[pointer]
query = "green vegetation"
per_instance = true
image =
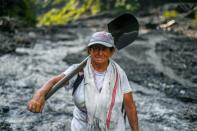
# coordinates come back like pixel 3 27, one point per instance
pixel 126 5
pixel 21 9
pixel 170 13
pixel 74 9
pixel 195 19
pixel 56 2
pixel 59 12
pixel 70 11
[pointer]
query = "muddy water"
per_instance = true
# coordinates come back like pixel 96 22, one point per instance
pixel 25 71
pixel 165 96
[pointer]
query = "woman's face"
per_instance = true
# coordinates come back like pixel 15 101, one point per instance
pixel 100 54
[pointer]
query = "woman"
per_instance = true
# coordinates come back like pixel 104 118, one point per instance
pixel 99 97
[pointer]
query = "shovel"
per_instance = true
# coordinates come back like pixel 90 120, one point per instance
pixel 124 30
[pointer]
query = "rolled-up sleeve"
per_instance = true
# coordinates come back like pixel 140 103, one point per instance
pixel 125 84
pixel 72 80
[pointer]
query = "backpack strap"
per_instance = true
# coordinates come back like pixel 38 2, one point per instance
pixel 123 112
pixel 79 79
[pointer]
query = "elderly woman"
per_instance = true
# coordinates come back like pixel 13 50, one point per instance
pixel 100 95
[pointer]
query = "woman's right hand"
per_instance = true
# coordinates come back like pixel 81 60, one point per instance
pixel 36 104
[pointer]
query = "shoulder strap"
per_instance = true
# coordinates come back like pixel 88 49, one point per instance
pixel 123 112
pixel 77 82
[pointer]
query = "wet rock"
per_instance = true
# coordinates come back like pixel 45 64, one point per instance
pixel 194 79
pixel 183 94
pixel 184 18
pixel 4 109
pixel 179 55
pixel 57 33
pixel 63 37
pixel 75 58
pixel 182 8
pixel 11 41
pixel 5 126
pixel 151 25
pixel 192 117
pixel 9 24
pixel 190 114
pixel 191 14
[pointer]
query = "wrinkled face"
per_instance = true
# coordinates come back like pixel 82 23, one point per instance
pixel 100 54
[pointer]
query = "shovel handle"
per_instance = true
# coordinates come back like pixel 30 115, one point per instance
pixel 66 79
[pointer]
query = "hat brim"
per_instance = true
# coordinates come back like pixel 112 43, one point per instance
pixel 100 43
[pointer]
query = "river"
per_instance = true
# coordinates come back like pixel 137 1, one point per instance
pixel 161 67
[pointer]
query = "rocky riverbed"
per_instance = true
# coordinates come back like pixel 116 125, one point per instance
pixel 161 67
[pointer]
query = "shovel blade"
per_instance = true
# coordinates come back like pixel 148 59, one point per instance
pixel 124 29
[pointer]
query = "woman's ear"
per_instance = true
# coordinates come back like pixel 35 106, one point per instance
pixel 113 50
pixel 88 50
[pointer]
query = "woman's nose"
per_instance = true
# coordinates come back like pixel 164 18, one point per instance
pixel 100 51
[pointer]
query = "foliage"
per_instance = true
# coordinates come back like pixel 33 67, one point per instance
pixel 74 9
pixel 195 19
pixel 21 9
pixel 71 11
pixel 170 13
pixel 129 5
pixel 56 2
